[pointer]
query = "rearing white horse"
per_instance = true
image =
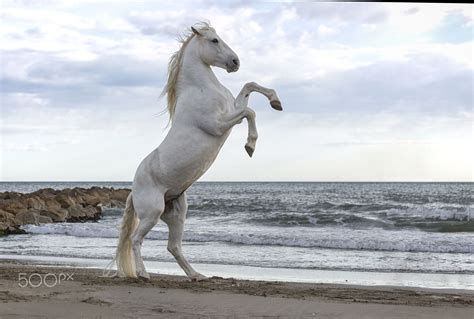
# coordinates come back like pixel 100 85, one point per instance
pixel 202 113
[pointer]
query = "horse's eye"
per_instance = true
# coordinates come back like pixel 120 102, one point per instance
pixel 215 41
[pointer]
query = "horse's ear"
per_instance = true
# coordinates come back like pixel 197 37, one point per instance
pixel 196 32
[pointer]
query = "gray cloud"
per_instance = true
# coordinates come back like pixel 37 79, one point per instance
pixel 228 5
pixel 342 12
pixel 109 70
pixel 74 84
pixel 429 84
pixel 412 10
pixel 422 84
pixel 160 23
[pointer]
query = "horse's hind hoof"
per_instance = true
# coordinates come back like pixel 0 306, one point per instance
pixel 144 279
pixel 143 276
pixel 199 277
pixel 276 105
pixel 249 150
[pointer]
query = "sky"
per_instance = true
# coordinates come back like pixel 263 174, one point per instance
pixel 370 91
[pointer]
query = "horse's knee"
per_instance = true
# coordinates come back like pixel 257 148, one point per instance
pixel 173 218
pixel 251 85
pixel 249 113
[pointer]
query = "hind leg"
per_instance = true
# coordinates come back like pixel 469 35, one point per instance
pixel 174 217
pixel 149 205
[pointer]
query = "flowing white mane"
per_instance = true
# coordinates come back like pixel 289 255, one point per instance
pixel 175 65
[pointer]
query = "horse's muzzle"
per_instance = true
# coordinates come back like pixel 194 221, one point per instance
pixel 232 69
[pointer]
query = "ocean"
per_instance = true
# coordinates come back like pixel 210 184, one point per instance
pixel 301 229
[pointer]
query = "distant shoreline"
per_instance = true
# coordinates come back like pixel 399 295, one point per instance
pixel 321 182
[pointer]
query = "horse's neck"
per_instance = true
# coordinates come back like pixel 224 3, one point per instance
pixel 194 71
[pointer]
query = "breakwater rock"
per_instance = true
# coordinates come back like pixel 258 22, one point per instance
pixel 51 206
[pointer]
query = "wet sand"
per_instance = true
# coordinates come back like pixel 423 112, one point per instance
pixel 82 293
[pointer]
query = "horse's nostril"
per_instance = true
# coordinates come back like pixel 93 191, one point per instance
pixel 236 62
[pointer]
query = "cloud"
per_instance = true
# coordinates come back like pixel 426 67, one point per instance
pixel 342 13
pixel 326 31
pixel 412 10
pixel 422 84
pixel 406 20
pixel 165 23
pixel 455 27
pixel 107 70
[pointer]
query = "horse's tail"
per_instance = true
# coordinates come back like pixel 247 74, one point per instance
pixel 124 256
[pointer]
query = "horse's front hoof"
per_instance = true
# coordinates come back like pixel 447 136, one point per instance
pixel 249 149
pixel 276 105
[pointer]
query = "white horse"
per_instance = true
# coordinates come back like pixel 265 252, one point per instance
pixel 202 112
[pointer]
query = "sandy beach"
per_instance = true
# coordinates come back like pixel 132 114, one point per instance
pixel 82 293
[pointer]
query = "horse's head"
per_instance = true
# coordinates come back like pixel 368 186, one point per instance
pixel 214 51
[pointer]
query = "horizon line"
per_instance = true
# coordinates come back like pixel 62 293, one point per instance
pixel 236 181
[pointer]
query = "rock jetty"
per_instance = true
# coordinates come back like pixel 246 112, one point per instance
pixel 53 206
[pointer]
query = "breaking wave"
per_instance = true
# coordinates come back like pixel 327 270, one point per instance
pixel 332 238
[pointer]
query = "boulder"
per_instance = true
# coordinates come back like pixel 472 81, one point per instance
pixel 65 200
pixel 7 229
pixel 6 217
pixel 27 217
pixel 48 205
pixel 33 217
pixel 59 215
pixel 35 202
pixel 13 205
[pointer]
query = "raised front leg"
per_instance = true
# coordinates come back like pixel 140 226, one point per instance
pixel 242 99
pixel 241 103
pixel 252 134
pixel 236 117
pixel 222 123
